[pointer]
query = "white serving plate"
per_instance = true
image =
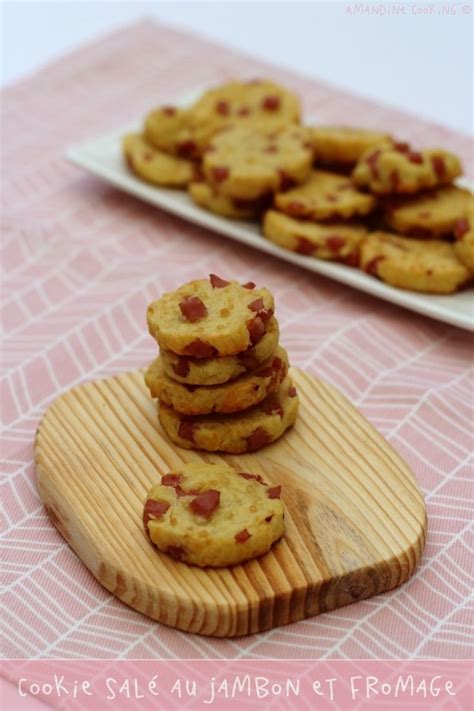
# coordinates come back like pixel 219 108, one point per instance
pixel 102 156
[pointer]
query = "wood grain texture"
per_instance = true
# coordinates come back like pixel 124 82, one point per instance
pixel 355 518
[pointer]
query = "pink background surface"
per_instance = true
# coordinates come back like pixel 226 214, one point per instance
pixel 84 260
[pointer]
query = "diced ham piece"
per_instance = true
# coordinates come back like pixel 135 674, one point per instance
pixel 271 103
pixel 220 173
pixel 273 407
pixel 274 492
pixel 217 282
pixel 286 181
pixel 169 110
pixel 415 157
pixel 249 285
pixel 372 161
pixel 246 475
pixel 372 266
pixel 185 492
pixel 352 260
pixel 256 305
pixel 154 509
pixel 395 180
pixel 200 349
pixel 176 552
pixel 206 503
pixel 181 368
pixel 171 479
pixel 222 108
pixel 265 314
pixel 439 166
pixel 193 309
pixel 187 149
pixel 296 208
pixel 259 438
pixel 461 227
pixel 292 392
pixel 186 430
pixel 334 243
pixel 304 246
pixel 242 536
pixel 256 329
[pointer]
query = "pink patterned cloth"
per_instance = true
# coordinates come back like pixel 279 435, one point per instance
pixel 82 262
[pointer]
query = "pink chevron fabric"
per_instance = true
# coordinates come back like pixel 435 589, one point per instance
pixel 82 261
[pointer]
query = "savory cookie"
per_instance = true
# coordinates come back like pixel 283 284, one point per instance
pixel 464 245
pixel 214 371
pixel 342 145
pixel 429 266
pixel 206 196
pixel 153 165
pixel 173 130
pixel 325 196
pixel 246 431
pixel 247 163
pixel 252 102
pixel 210 317
pixel 399 170
pixel 429 214
pixel 340 242
pixel 236 395
pixel 211 515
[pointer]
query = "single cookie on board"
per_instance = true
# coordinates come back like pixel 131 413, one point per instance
pixel 342 145
pixel 246 431
pixel 214 371
pixel 212 515
pixel 339 242
pixel 429 214
pixel 397 169
pixel 325 196
pixel 429 266
pixel 260 102
pixel 153 165
pixel 206 196
pixel 173 131
pixel 210 318
pixel 464 245
pixel 247 163
pixel 236 395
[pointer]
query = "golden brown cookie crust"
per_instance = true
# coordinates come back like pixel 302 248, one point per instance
pixel 202 319
pixel 429 214
pixel 254 102
pixel 325 196
pixel 153 165
pixel 246 431
pixel 397 169
pixel 246 163
pixel 428 266
pixel 172 130
pixel 344 145
pixel 464 245
pixel 214 371
pixel 236 395
pixel 334 242
pixel 212 515
pixel 205 196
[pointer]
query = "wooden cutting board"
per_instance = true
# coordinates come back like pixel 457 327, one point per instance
pixel 356 520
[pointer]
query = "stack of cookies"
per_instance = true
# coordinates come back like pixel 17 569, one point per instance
pixel 221 376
